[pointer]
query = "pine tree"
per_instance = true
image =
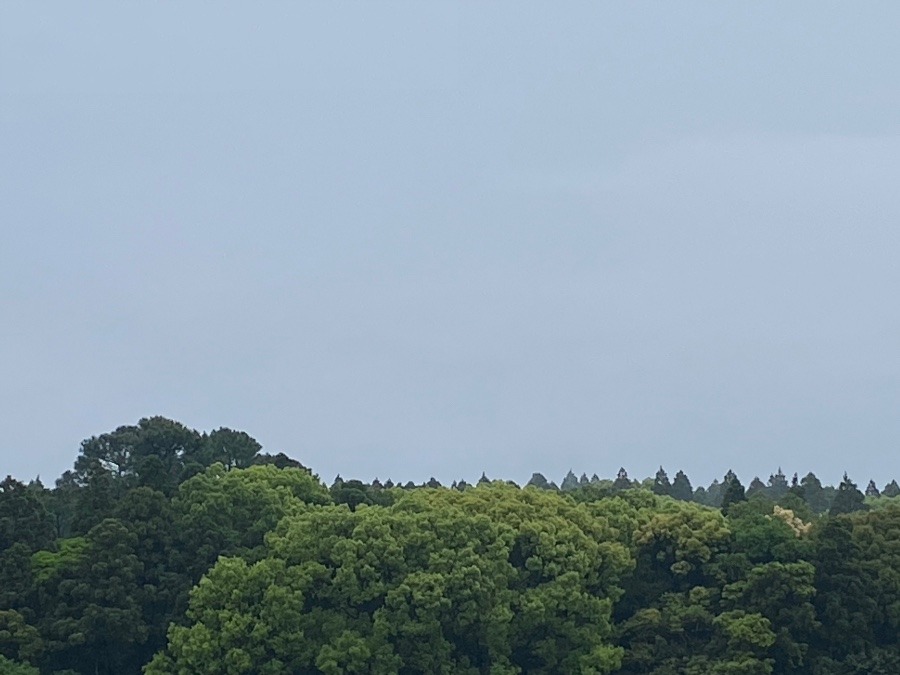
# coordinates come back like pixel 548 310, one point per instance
pixel 570 482
pixel 538 481
pixel 681 487
pixel 756 486
pixel 848 498
pixel 734 490
pixel 891 489
pixel 814 493
pixel 621 482
pixel 778 485
pixel 872 490
pixel 661 484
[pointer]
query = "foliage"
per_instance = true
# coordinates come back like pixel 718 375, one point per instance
pixel 184 552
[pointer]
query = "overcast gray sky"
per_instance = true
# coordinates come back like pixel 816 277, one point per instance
pixel 421 238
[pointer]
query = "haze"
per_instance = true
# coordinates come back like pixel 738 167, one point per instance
pixel 433 239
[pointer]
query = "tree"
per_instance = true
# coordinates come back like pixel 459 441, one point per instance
pixel 281 461
pixel 756 487
pixel 681 487
pixel 814 494
pixel 539 481
pixel 622 482
pixel 442 581
pixel 570 482
pixel 848 498
pixel 126 453
pixel 891 489
pixel 223 512
pixel 778 485
pixel 233 449
pixel 8 667
pixel 734 490
pixel 661 484
pixel 872 490
pixel 93 622
pixel 24 517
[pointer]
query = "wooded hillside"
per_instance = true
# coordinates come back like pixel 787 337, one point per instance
pixel 174 551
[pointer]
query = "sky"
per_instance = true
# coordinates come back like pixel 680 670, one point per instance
pixel 415 239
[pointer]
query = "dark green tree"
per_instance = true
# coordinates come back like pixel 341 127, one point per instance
pixel 734 490
pixel 872 490
pixel 24 518
pixel 570 482
pixel 814 493
pixel 622 481
pixel 891 489
pixel 661 484
pixel 681 487
pixel 233 449
pixel 93 622
pixel 756 487
pixel 539 481
pixel 777 486
pixel 848 498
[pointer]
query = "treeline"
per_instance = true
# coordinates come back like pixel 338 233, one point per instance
pixel 172 551
pixel 807 495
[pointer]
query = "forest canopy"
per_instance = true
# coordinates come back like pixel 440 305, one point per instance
pixel 168 550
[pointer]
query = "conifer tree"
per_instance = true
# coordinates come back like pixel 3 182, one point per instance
pixel 539 481
pixel 734 490
pixel 681 487
pixel 622 482
pixel 661 484
pixel 570 482
pixel 848 498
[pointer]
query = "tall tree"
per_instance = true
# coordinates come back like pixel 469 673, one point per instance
pixel 848 498
pixel 778 485
pixel 756 487
pixel 539 481
pixel 814 493
pixel 570 482
pixel 872 490
pixel 661 484
pixel 681 487
pixel 891 489
pixel 233 449
pixel 734 490
pixel 24 517
pixel 622 482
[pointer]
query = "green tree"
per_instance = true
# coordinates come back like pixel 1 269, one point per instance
pixel 681 487
pixel 848 498
pixel 622 481
pixel 570 482
pixel 777 486
pixel 734 490
pixel 232 449
pixel 539 481
pixel 223 512
pixel 492 579
pixel 814 493
pixel 24 518
pixel 93 623
pixel 8 667
pixel 661 484
pixel 872 490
